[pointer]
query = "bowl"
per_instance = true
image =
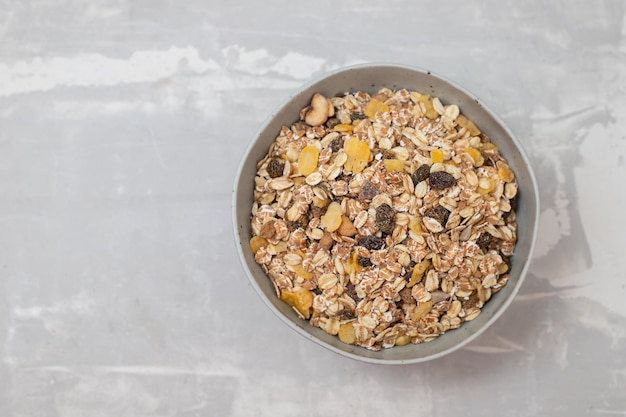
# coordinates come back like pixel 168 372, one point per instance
pixel 370 78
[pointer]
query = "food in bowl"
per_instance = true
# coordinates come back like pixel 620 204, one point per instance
pixel 385 219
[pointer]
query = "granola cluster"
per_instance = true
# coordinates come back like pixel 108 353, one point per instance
pixel 385 219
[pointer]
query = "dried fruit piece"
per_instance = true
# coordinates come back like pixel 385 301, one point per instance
pixel 301 272
pixel 418 272
pixel 436 155
pixel 371 242
pixel 346 333
pixel 301 300
pixel 357 116
pixel 403 340
pixel 429 109
pixel 393 165
pixel 307 161
pixel 327 241
pixel 415 225
pixel 385 218
pixel 346 228
pixel 438 213
pixel 368 191
pixel 421 310
pixel 343 128
pixel 257 242
pixel 275 168
pixel 331 220
pixel 468 124
pixel 477 157
pixel 364 262
pixel 336 144
pixel 441 180
pixel 359 155
pixel 504 172
pixel 301 223
pixel 484 241
pixel 420 174
pixel 375 106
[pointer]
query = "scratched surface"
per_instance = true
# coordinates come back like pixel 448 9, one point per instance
pixel 121 126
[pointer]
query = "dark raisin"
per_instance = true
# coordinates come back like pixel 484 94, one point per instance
pixel 346 315
pixel 441 180
pixel 385 218
pixel 357 116
pixel 438 213
pixel 317 211
pixel 275 168
pixel 336 144
pixel 364 262
pixel 420 174
pixel 369 191
pixel 371 242
pixel 332 122
pixel 302 223
pixel 471 302
pixel 351 291
pixel 484 241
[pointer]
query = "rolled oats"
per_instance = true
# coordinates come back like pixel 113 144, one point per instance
pixel 385 219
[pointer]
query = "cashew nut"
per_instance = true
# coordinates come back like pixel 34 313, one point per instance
pixel 318 114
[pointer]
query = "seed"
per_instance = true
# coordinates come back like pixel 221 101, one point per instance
pixel 420 174
pixel 385 218
pixel 371 242
pixel 275 168
pixel 441 180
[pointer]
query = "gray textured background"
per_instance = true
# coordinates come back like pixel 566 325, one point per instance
pixel 121 126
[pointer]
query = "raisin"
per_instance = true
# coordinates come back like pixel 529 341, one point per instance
pixel 332 122
pixel 484 241
pixel 364 262
pixel 471 302
pixel 357 116
pixel 371 242
pixel 438 213
pixel 275 168
pixel 346 315
pixel 351 291
pixel 302 222
pixel 441 180
pixel 369 191
pixel 385 218
pixel 420 174
pixel 336 144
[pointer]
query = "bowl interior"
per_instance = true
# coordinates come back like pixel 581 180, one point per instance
pixel 371 78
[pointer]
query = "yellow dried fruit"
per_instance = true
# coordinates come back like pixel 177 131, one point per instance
pixel 301 300
pixel 359 155
pixel 307 161
pixel 403 340
pixel 418 272
pixel 393 165
pixel 301 272
pixel 343 128
pixel 477 157
pixel 421 310
pixel 331 220
pixel 431 113
pixel 375 106
pixel 436 155
pixel 352 264
pixel 415 225
pixel 257 242
pixel 346 333
pixel 502 268
pixel 504 172
pixel 468 124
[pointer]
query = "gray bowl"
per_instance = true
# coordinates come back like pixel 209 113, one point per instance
pixel 370 78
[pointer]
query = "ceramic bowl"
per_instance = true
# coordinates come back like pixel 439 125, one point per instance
pixel 370 78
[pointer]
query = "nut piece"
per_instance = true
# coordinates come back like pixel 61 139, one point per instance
pixel 318 114
pixel 346 228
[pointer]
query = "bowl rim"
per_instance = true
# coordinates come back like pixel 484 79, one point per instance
pixel 380 361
